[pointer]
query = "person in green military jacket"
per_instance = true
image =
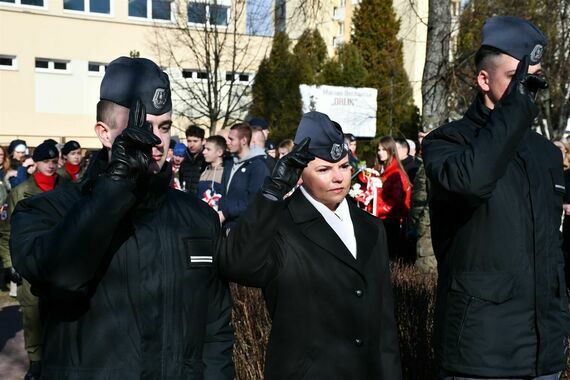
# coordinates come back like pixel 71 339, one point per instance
pixel 43 179
pixel 419 215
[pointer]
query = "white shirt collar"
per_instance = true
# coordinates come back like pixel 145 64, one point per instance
pixel 339 220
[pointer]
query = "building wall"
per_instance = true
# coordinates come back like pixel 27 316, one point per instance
pixel 413 15
pixel 44 103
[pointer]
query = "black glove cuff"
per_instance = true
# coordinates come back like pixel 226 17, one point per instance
pixel 274 189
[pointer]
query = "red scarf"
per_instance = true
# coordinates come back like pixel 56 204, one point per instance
pixel 73 170
pixel 44 182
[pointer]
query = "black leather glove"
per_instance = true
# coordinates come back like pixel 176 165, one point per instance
pixel 131 150
pixel 526 84
pixel 534 83
pixel 287 171
pixel 10 274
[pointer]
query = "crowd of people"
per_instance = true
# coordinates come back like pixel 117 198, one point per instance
pixel 122 257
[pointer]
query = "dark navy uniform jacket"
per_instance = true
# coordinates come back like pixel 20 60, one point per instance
pixel 496 205
pixel 125 280
pixel 332 315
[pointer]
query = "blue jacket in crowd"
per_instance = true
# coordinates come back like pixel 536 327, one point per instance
pixel 239 189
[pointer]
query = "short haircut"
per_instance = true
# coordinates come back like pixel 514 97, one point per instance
pixel 256 128
pixel 485 57
pixel 243 130
pixel 106 111
pixel 219 141
pixel 195 131
pixel 402 142
pixel 258 136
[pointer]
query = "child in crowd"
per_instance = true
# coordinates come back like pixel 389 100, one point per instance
pixel 210 184
pixel 178 156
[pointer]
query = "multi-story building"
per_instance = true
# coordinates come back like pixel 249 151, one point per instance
pixel 334 20
pixel 53 55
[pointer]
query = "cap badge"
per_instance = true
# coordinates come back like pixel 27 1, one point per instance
pixel 536 53
pixel 336 151
pixel 159 99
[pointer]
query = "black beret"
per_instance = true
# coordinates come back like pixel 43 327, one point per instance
pixel 327 139
pixel 69 146
pixel 129 78
pixel 256 121
pixel 14 144
pixel 350 137
pixel 269 145
pixel 514 36
pixel 45 151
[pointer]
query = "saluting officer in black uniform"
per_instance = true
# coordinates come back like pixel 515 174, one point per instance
pixel 121 262
pixel 496 200
pixel 322 263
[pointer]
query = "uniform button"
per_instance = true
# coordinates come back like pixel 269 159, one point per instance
pixel 358 342
pixel 358 293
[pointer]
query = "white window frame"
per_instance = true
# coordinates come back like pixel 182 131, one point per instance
pixel 51 66
pixel 14 65
pixel 99 73
pixel 149 18
pixel 18 3
pixel 207 4
pixel 87 5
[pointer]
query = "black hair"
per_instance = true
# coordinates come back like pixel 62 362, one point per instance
pixel 402 142
pixel 484 56
pixel 195 131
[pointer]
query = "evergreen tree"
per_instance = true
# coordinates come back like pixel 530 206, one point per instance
pixel 310 53
pixel 347 68
pixel 275 92
pixel 376 28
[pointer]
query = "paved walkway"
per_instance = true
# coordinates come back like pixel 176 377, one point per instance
pixel 13 359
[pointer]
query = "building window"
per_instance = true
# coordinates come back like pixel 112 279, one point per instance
pixel 8 62
pixel 212 14
pixel 91 6
pixel 238 77
pixel 195 74
pixel 35 3
pixel 151 9
pixel 51 65
pixel 96 68
pixel 259 17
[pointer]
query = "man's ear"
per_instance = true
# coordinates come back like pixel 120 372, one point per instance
pixel 103 131
pixel 483 80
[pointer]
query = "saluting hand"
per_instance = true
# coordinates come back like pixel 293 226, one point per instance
pixel 131 150
pixel 526 84
pixel 287 171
